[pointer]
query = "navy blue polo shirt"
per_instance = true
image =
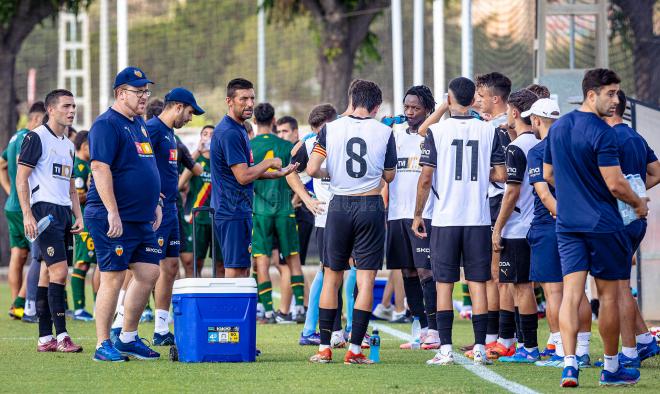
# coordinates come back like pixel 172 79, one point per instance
pixel 578 144
pixel 230 146
pixel 125 146
pixel 634 152
pixel 165 150
pixel 535 174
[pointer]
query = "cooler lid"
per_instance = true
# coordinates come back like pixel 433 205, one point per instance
pixel 215 286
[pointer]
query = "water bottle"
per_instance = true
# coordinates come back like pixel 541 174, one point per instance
pixel 41 226
pixel 374 349
pixel 416 332
pixel 627 212
pixel 392 120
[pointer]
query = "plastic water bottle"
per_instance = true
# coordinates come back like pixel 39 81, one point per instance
pixel 416 332
pixel 628 212
pixel 41 226
pixel 392 120
pixel 374 348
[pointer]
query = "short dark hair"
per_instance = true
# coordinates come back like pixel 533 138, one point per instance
pixel 37 107
pixel 498 83
pixel 53 97
pixel 264 114
pixel 366 94
pixel 154 108
pixel 71 131
pixel 321 114
pixel 463 90
pixel 621 107
pixel 288 119
pixel 238 84
pixel 81 138
pixel 351 86
pixel 208 126
pixel 540 90
pixel 522 100
pixel 597 78
pixel 424 94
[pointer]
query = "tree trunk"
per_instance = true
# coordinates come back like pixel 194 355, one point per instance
pixel 335 69
pixel 8 119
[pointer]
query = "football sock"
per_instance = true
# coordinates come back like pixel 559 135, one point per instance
pixel 415 296
pixel 479 326
pixel 467 301
pixel 119 318
pixel 298 287
pixel 43 312
pixel 445 321
pixel 312 317
pixel 493 326
pixel 519 334
pixel 57 306
pixel 611 363
pixel 583 339
pixel 630 352
pixel 61 336
pixel 120 300
pixel 19 302
pixel 559 347
pixel 644 338
pixel 78 285
pixel 529 325
pixel 360 325
pixel 266 294
pixel 160 322
pixel 355 349
pixel 430 302
pixel 66 299
pixel 128 336
pixel 507 326
pixel 570 361
pixel 336 325
pixel 326 320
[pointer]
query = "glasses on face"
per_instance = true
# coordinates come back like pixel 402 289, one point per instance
pixel 140 93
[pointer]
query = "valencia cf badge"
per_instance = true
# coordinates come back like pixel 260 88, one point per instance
pixel 250 248
pixel 50 251
pixel 119 250
pixel 160 241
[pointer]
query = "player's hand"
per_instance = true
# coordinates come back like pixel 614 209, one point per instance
pixel 288 169
pixel 78 226
pixel 115 228
pixel 642 210
pixel 30 225
pixel 275 163
pixel 497 241
pixel 419 228
pixel 315 206
pixel 159 218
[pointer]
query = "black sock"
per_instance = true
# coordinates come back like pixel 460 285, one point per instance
pixel 507 324
pixel 66 300
pixel 430 302
pixel 415 297
pixel 326 320
pixel 336 325
pixel 595 306
pixel 493 322
pixel 479 325
pixel 360 325
pixel 529 326
pixel 43 312
pixel 445 321
pixel 57 308
pixel 519 334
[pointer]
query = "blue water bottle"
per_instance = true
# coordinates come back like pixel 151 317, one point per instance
pixel 392 120
pixel 374 349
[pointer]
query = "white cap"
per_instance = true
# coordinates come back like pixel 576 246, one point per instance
pixel 544 107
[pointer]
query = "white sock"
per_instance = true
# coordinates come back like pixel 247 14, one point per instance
pixel 78 311
pixel 611 363
pixel 479 349
pixel 559 346
pixel 433 335
pixel 645 338
pixel 45 339
pixel 445 349
pixel 323 347
pixel 630 352
pixel 491 338
pixel 355 349
pixel 160 321
pixel 507 342
pixel 268 314
pixel 570 361
pixel 583 339
pixel 551 340
pixel 60 337
pixel 530 349
pixel 119 319
pixel 129 336
pixel 120 300
pixel 30 308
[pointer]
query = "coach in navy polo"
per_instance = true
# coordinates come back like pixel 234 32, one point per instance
pixel 233 171
pixel 123 212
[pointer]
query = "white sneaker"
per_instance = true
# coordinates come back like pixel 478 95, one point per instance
pixel 398 317
pixel 382 312
pixel 337 340
pixel 442 359
pixel 261 311
pixel 480 358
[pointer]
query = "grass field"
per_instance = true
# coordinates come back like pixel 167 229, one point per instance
pixel 282 367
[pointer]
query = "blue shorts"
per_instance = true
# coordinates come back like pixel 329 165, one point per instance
pixel 235 238
pixel 136 245
pixel 636 230
pixel 606 256
pixel 545 262
pixel 167 235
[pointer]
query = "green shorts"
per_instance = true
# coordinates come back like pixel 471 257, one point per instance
pixel 16 230
pixel 203 242
pixel 185 235
pixel 266 227
pixel 83 248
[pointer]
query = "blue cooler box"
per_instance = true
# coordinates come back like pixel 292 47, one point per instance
pixel 215 319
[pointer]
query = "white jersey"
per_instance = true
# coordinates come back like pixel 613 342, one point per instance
pixel 357 151
pixel 497 188
pixel 462 149
pixel 321 186
pixel 51 160
pixel 516 167
pixel 403 189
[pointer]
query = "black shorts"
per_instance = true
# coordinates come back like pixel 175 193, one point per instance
pixel 495 205
pixel 449 245
pixel 515 261
pixel 321 245
pixel 355 224
pixel 404 249
pixel 56 241
pixel 305 222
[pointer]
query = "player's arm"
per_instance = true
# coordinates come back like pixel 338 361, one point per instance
pixel 429 161
pixel 184 178
pixel 318 156
pixel 31 151
pixel 652 174
pixel 77 226
pixel 435 117
pixel 543 191
pixel 389 166
pixel 516 165
pixel 4 174
pixel 548 170
pixel 188 160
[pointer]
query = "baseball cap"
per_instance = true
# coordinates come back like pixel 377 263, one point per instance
pixel 131 76
pixel 184 96
pixel 544 107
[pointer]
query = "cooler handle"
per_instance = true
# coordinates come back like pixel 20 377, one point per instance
pixel 211 212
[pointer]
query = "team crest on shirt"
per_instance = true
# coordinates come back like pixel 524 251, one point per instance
pixel 50 251
pixel 81 167
pixel 161 241
pixel 119 250
pixel 250 248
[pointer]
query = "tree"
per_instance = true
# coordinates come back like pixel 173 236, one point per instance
pixel 17 19
pixel 636 17
pixel 344 37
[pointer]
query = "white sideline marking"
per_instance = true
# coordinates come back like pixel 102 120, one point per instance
pixel 479 370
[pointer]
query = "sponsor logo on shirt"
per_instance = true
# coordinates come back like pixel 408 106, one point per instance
pixel 175 242
pixel 153 250
pixel 423 250
pixel 408 164
pixel 173 156
pixel 534 171
pixel 144 149
pixel 61 171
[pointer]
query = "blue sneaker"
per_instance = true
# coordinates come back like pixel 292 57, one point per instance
pixel 310 340
pixel 114 334
pixel 522 356
pixel 30 318
pixel 137 349
pixel 569 377
pixel 147 315
pixel 622 377
pixel 648 350
pixel 163 339
pixel 554 361
pixel 548 353
pixel 107 352
pixel 628 362
pixel 82 315
pixel 584 361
